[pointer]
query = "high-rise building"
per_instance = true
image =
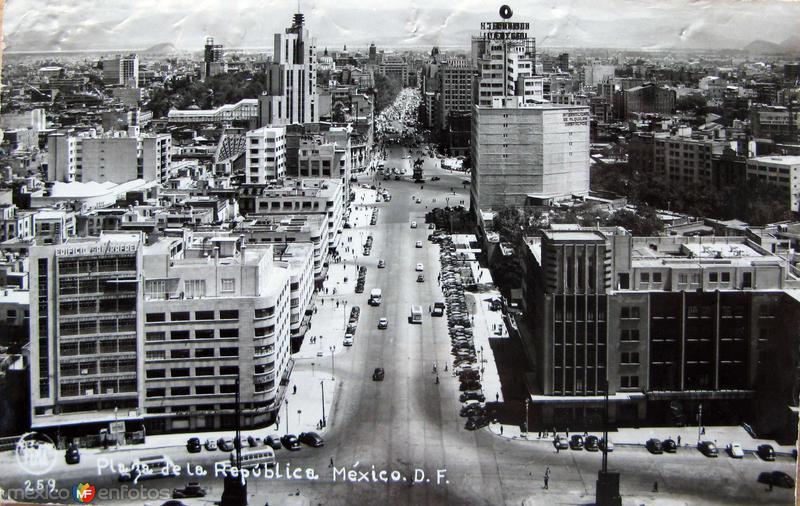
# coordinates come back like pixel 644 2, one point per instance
pixel 455 89
pixel 373 54
pixel 85 314
pixel 213 62
pixel 395 67
pixel 266 154
pixel 121 71
pixel 522 151
pixel 291 95
pixel 648 99
pixel 502 53
pixel 781 171
pixel 671 322
pixel 85 158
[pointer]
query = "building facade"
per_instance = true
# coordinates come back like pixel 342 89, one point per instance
pixel 266 154
pixel 781 171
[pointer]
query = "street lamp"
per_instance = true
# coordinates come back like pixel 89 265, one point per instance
pixel 286 403
pixel 322 386
pixel 344 325
pixel 333 363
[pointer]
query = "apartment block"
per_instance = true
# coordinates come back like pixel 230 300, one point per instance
pixel 524 151
pixel 121 70
pixel 213 324
pixel 266 154
pixel 781 171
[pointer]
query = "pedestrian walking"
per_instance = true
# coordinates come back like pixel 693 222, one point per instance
pixel 445 366
pixel 497 397
pixel 567 431
pixel 655 486
pixel 546 482
pixel 331 464
pixel 437 379
pixel 294 390
pixel 679 440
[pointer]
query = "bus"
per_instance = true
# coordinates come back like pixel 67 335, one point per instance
pixel 416 315
pixel 158 466
pixel 255 458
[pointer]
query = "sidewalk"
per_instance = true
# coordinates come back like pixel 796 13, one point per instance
pixel 722 436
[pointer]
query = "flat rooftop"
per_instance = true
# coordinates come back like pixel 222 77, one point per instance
pixel 781 160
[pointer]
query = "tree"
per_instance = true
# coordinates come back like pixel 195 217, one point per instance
pixel 643 223
pixel 386 90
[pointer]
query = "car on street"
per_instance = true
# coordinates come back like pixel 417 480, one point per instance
pixel 418 244
pixel 435 178
pixel 193 445
pixel 72 455
pixel 473 408
pixel 420 268
pixel 606 446
pixel 377 374
pixel 210 445
pixel 477 422
pixel 468 396
pixel 669 446
pixel 576 442
pixel 420 278
pixel 381 264
pixel 173 502
pixel 311 439
pixel 191 490
pixel 561 443
pixel 413 224
pixel 383 323
pixel 653 445
pixel 348 340
pixel 225 444
pixel 290 442
pixel 438 309
pixel 708 448
pixel 591 444
pixel 273 441
pixel 735 450
pixel 469 385
pixel 419 200
pixel 777 479
pixel 254 441
pixel 766 452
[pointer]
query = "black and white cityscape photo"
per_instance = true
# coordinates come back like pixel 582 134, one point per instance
pixel 324 253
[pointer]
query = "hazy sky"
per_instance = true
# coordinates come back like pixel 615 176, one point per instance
pixel 112 24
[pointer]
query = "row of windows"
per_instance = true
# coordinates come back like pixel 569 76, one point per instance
pixel 185 372
pixel 184 391
pixel 94 347
pixel 224 314
pixel 230 352
pixel 185 335
pixel 105 387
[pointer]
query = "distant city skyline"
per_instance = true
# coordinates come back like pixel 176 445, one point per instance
pixel 38 25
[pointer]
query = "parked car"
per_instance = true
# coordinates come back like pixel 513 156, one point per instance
pixel 273 441
pixel 193 445
pixel 254 441
pixel 777 479
pixel 469 385
pixel 708 448
pixel 477 422
pixel 473 408
pixel 561 443
pixel 72 455
pixel 735 450
pixel 669 445
pixel 190 490
pixel 591 444
pixel 653 445
pixel 225 444
pixel 377 374
pixel 348 340
pixel 607 446
pixel 210 445
pixel 468 396
pixel 311 439
pixel 290 442
pixel 766 452
pixel 576 442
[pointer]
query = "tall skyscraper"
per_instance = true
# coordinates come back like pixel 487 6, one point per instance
pixel 291 95
pixel 504 54
pixel 213 62
pixel 121 71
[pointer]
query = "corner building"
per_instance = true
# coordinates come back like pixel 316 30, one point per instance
pixel 210 322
